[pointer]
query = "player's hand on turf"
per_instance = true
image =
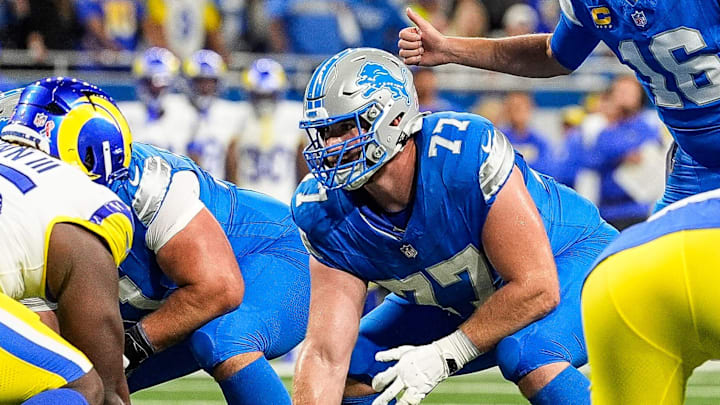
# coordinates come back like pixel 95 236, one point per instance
pixel 418 370
pixel 421 45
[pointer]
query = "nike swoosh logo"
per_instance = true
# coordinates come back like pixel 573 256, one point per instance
pixel 488 146
pixel 136 180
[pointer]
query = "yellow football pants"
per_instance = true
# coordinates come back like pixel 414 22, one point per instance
pixel 33 358
pixel 651 315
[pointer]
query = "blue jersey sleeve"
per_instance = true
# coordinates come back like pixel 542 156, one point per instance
pixel 572 42
pixel 149 177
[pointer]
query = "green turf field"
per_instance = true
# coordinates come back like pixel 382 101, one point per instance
pixel 482 388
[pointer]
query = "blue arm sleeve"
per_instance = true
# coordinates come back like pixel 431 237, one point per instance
pixel 571 43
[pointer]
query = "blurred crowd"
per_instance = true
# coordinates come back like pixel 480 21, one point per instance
pixel 609 147
pixel 184 26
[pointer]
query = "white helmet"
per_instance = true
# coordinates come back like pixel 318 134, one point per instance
pixel 374 88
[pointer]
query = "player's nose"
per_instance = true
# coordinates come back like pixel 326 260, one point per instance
pixel 333 140
pixel 340 135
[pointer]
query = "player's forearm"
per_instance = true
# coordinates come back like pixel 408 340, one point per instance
pixel 109 364
pixel 97 331
pixel 185 310
pixel 508 310
pixel 318 380
pixel 525 55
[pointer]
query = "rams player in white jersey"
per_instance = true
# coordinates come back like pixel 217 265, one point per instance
pixel 266 155
pixel 216 120
pixel 160 117
pixel 61 240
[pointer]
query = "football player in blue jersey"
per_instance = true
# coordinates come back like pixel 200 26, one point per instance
pixel 671 45
pixel 485 257
pixel 217 276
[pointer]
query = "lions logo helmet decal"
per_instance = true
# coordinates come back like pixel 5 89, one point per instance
pixel 377 77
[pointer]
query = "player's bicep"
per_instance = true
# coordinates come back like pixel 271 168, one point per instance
pixel 75 251
pixel 514 236
pixel 336 303
pixel 200 253
pixel 83 277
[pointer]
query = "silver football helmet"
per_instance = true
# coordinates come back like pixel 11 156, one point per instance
pixel 371 87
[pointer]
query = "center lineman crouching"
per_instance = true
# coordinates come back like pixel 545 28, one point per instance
pixel 217 277
pixel 485 257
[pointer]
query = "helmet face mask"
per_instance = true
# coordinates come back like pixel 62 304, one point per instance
pixel 75 122
pixel 351 161
pixel 375 90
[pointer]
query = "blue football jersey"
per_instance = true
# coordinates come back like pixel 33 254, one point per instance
pixel 437 257
pixel 673 48
pixel 252 220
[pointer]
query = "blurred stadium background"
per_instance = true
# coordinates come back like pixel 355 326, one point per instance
pixel 606 144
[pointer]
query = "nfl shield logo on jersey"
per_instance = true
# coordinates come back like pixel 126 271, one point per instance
pixel 639 18
pixel 408 251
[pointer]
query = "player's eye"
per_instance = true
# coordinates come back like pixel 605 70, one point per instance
pixel 323 132
pixel 347 126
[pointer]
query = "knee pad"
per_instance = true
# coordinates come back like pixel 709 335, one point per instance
pixel 518 357
pixel 508 352
pixel 211 349
pixel 203 346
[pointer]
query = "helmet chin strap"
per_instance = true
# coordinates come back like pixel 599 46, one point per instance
pixel 411 127
pixel 25 136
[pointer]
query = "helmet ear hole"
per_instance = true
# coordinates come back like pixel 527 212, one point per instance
pixel 54 108
pixel 89 160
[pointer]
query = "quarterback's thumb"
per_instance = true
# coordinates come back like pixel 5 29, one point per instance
pixel 421 23
pixel 392 354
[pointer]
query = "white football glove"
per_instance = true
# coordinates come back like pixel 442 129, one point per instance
pixel 418 371
pixel 421 368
